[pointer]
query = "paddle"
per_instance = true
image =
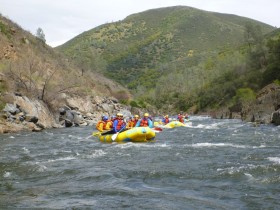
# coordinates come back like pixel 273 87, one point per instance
pixel 101 133
pixel 96 133
pixel 116 134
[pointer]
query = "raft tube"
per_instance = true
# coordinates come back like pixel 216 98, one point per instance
pixel 174 124
pixel 136 134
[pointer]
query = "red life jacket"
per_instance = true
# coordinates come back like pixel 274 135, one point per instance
pixel 180 118
pixel 144 122
pixel 166 120
pixel 120 124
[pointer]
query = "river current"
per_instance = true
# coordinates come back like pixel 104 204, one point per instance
pixel 211 164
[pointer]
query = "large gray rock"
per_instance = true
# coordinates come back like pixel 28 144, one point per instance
pixel 36 108
pixel 11 108
pixel 80 103
pixel 275 119
pixel 267 102
pixel 31 118
pixel 107 108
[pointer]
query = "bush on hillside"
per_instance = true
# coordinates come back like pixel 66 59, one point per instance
pixel 244 95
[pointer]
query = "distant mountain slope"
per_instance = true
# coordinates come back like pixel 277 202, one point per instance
pixel 174 47
pixel 30 67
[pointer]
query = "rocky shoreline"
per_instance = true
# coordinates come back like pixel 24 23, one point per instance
pixel 24 114
pixel 264 110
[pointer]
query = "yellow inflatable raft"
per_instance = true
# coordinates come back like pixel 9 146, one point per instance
pixel 136 134
pixel 174 124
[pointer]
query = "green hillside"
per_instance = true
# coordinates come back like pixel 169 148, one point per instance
pixel 164 55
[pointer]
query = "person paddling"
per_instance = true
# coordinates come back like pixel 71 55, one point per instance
pixel 180 118
pixel 165 120
pixel 145 122
pixel 119 124
pixel 101 124
pixel 109 124
pixel 132 122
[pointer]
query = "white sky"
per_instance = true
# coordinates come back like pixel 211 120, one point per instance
pixel 62 20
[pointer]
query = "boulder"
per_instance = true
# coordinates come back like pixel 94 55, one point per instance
pixel 107 108
pixel 37 109
pixel 261 110
pixel 275 119
pixel 68 123
pixel 11 108
pixel 31 118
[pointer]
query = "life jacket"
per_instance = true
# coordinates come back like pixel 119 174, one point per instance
pixel 109 125
pixel 134 121
pixel 144 122
pixel 130 124
pixel 181 119
pixel 101 125
pixel 120 124
pixel 166 120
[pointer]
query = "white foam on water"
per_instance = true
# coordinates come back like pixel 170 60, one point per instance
pixel 162 145
pixel 188 124
pixel 41 167
pixel 7 174
pixel 143 145
pixel 250 177
pixel 97 153
pixel 11 137
pixel 233 169
pixel 62 159
pixel 127 145
pixel 274 159
pixel 202 126
pixel 207 144
pixel 49 133
pixel 257 147
pixel 26 150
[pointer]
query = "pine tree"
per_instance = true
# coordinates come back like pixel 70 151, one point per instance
pixel 40 34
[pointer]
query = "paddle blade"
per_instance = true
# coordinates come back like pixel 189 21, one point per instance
pixel 114 136
pixel 96 133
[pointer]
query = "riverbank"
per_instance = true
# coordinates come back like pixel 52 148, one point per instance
pixel 21 113
pixel 264 110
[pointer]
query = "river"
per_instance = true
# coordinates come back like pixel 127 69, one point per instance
pixel 211 164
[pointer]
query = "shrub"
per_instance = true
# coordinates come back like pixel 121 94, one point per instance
pixel 6 31
pixel 244 95
pixel 277 82
pixel 133 104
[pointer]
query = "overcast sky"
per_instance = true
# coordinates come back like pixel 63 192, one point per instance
pixel 62 20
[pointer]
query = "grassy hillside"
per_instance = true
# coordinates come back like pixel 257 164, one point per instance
pixel 30 67
pixel 164 55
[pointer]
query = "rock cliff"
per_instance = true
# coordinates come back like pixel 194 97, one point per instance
pixel 264 110
pixel 22 113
